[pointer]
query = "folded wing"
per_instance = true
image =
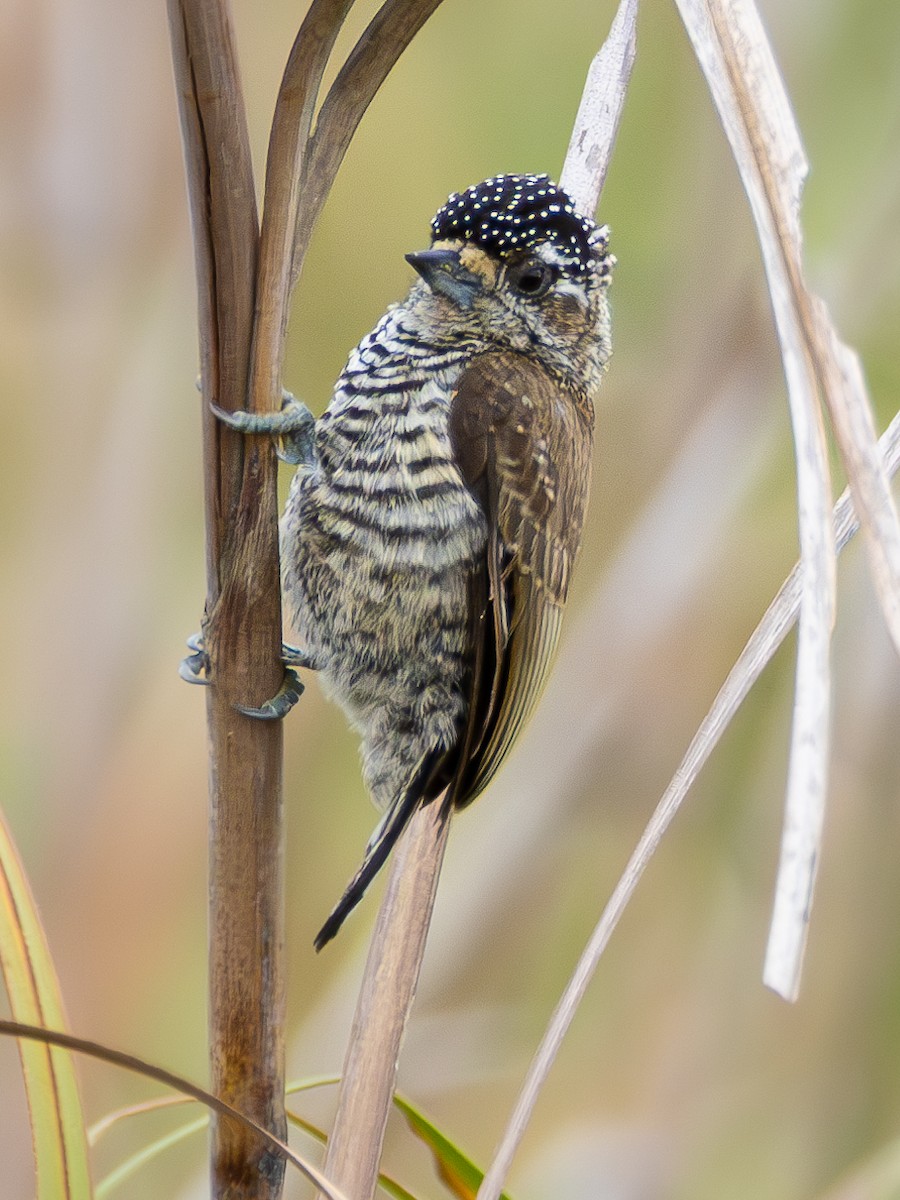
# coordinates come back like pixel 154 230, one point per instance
pixel 523 443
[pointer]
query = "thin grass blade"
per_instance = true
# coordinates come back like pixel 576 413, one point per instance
pixel 876 1179
pixel 57 1123
pixel 130 1062
pixel 849 406
pixel 135 1162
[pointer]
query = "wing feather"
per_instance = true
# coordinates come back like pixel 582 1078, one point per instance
pixel 523 443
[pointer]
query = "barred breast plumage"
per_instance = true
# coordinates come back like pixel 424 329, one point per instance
pixel 379 538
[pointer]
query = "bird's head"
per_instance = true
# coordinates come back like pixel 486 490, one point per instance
pixel 512 265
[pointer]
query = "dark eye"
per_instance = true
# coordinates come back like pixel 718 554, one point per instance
pixel 532 278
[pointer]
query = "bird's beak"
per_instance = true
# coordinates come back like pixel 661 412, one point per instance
pixel 444 273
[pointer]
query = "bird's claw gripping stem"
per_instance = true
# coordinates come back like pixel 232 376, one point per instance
pixel 293 656
pixel 281 703
pixel 194 669
pixel 294 427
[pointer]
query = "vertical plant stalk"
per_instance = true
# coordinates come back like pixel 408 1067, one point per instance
pixel 583 174
pixel 734 53
pixel 384 1004
pixel 243 619
pixel 244 284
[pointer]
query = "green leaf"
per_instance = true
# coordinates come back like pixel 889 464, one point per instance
pixel 454 1168
pixel 57 1123
pixel 310 1083
pixel 100 1128
pixel 141 1157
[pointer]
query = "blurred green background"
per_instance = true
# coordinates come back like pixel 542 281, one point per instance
pixel 682 1076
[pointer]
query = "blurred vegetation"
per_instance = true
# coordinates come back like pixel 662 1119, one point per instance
pixel 682 1076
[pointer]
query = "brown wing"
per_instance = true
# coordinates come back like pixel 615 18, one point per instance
pixel 523 443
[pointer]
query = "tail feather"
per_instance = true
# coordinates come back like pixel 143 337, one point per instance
pixel 379 847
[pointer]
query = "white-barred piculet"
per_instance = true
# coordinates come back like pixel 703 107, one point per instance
pixel 429 535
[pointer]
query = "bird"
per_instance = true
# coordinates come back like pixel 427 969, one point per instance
pixel 431 526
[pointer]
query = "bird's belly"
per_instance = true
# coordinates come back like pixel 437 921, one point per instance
pixel 378 588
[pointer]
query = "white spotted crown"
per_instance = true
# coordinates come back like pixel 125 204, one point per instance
pixel 509 214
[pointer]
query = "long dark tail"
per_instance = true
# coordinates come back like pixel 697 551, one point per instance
pixel 381 843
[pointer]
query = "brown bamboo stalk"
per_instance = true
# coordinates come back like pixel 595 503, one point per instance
pixel 243 620
pixel 242 344
pixel 384 1004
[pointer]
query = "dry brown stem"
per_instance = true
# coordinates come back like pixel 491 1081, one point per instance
pixel 245 278
pixel 243 619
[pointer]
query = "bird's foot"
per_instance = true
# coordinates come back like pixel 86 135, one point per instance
pixel 294 427
pixel 281 703
pixel 293 656
pixel 195 668
pixel 291 689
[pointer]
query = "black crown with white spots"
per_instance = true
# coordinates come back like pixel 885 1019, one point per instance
pixel 509 214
